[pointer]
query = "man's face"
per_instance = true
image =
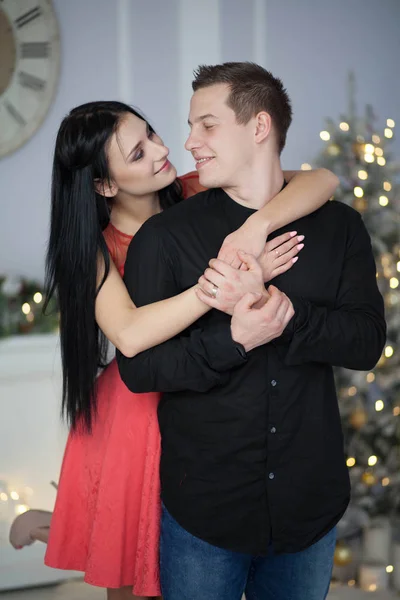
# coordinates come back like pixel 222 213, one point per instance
pixel 222 148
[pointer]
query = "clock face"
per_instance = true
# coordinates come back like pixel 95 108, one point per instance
pixel 29 66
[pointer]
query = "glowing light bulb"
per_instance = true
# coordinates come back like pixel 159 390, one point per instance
pixel 26 308
pixel 381 161
pixel 351 462
pixel 369 148
pixel 385 481
pixel 383 200
pixel 379 151
pixel 21 508
pixel 37 298
pixel 344 126
pixel 389 351
pixel 388 133
pixel 369 158
pixel 358 192
pixel 352 390
pixel 306 167
pixel 371 377
pixel 14 495
pixel 362 174
pixel 325 135
pixel 376 139
pixel 379 405
pixel 372 461
pixel 394 283
pixel 387 186
pixel 390 123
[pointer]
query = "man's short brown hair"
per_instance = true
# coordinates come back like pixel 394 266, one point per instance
pixel 252 89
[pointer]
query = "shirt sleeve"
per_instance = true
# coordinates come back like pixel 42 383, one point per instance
pixel 352 333
pixel 197 360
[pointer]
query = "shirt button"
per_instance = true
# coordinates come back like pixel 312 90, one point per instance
pixel 271 476
pixel 273 383
pixel 273 429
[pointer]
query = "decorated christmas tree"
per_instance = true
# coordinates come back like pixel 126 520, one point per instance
pixel 370 402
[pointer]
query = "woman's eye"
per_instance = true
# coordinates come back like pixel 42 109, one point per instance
pixel 138 155
pixel 208 126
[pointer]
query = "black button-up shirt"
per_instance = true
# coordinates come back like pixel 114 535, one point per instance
pixel 252 449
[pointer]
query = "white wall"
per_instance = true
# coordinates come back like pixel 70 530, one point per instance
pixel 310 44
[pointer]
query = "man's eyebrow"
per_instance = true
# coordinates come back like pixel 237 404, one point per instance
pixel 202 117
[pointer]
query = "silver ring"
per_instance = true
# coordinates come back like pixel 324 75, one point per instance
pixel 214 291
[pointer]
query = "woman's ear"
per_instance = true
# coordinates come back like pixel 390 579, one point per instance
pixel 263 126
pixel 105 188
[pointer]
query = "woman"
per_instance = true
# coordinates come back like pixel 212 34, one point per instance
pixel 110 174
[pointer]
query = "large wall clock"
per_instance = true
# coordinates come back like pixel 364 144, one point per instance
pixel 29 67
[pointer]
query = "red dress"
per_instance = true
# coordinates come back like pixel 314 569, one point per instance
pixel 106 519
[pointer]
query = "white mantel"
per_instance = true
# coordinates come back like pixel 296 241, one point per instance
pixel 32 439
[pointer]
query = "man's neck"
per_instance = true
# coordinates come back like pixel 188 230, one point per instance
pixel 258 185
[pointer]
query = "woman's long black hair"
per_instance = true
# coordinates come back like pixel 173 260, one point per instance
pixel 78 217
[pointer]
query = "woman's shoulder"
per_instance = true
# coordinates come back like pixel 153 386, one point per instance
pixel 190 184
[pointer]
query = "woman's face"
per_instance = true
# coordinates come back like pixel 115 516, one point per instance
pixel 138 159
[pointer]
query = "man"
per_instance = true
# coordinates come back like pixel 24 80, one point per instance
pixel 252 469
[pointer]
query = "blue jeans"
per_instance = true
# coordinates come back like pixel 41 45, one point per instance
pixel 192 569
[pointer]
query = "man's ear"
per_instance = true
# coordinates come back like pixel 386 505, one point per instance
pixel 105 188
pixel 263 126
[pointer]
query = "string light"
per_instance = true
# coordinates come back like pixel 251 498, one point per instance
pixel 381 161
pixel 389 351
pixel 369 148
pixel 376 139
pixel 398 266
pixel 344 126
pixel 387 186
pixel 396 411
pixel 37 298
pixel 3 497
pixel 379 151
pixel 379 405
pixel 352 390
pixel 21 508
pixel 369 158
pixel 351 582
pixel 14 495
pixel 385 481
pixel 351 462
pixel 372 587
pixel 306 167
pixel 383 200
pixel 325 135
pixel 390 123
pixel 372 461
pixel 394 283
pixel 362 174
pixel 388 133
pixel 389 569
pixel 26 308
pixel 371 377
pixel 358 192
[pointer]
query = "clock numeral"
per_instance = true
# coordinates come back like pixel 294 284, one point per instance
pixel 29 16
pixel 30 81
pixel 15 114
pixel 35 50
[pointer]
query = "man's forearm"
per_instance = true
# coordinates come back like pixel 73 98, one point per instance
pixel 348 338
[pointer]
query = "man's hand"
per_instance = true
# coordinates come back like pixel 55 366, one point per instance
pixel 222 286
pixel 253 327
pixel 280 254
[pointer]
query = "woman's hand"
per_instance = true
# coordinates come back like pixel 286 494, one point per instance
pixel 222 286
pixel 280 254
pixel 250 238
